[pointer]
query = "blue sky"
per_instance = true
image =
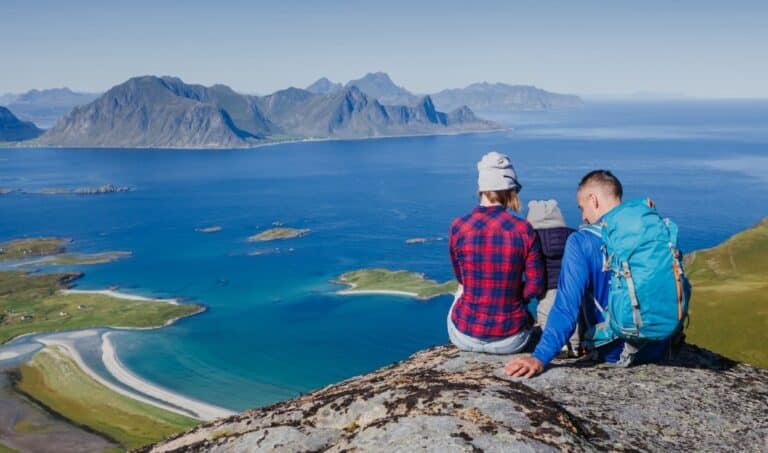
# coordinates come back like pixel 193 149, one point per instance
pixel 701 48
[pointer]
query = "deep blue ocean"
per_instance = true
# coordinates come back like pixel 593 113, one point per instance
pixel 275 328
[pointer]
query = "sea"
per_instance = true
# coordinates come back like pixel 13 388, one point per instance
pixel 275 327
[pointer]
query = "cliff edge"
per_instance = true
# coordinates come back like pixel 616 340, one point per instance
pixel 442 399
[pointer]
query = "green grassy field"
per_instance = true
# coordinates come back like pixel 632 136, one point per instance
pixel 54 380
pixel 729 306
pixel 386 280
pixel 6 449
pixel 31 303
pixel 29 248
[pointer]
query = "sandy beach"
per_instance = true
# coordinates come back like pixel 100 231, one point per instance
pixel 354 292
pixel 118 295
pixel 203 411
pixel 168 400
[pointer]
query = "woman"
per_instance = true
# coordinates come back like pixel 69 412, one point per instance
pixel 497 260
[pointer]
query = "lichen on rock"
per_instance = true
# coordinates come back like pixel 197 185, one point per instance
pixel 445 400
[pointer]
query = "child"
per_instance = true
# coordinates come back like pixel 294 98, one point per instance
pixel 546 218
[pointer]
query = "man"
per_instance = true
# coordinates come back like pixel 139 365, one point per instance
pixel 582 279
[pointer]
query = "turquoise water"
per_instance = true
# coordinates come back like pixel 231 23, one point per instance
pixel 275 328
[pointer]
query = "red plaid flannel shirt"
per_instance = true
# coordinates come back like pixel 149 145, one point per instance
pixel 491 250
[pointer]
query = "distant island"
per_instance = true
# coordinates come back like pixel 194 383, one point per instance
pixel 165 112
pixel 422 240
pixel 279 233
pixel 45 107
pixel 398 283
pixel 96 190
pixel 500 97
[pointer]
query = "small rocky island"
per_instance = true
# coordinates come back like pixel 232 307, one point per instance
pixel 279 233
pixel 422 240
pixel 98 190
pixel 400 283
pixel 209 229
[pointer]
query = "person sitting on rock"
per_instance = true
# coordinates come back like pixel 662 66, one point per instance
pixel 549 223
pixel 581 276
pixel 497 260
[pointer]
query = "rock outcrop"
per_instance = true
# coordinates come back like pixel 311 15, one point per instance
pixel 445 400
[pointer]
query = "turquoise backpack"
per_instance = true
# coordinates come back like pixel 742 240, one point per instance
pixel 649 292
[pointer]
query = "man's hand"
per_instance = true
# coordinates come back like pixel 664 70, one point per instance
pixel 527 367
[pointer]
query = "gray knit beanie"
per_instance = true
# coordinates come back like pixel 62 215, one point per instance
pixel 545 214
pixel 495 172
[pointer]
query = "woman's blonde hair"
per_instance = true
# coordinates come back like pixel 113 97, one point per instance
pixel 507 198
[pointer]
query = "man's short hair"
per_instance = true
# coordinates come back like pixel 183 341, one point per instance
pixel 603 178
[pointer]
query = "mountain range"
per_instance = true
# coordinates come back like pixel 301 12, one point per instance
pixel 45 107
pixel 152 111
pixel 13 129
pixel 480 97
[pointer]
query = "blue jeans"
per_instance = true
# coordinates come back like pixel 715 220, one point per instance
pixel 509 345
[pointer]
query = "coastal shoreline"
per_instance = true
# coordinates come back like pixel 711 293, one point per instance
pixel 201 410
pixel 135 388
pixel 387 292
pixel 26 145
pixel 118 295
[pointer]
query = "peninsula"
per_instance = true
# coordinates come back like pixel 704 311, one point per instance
pixel 51 251
pixel 30 248
pixel 57 378
pixel 397 283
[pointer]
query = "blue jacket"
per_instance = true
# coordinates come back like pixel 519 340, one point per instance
pixel 582 279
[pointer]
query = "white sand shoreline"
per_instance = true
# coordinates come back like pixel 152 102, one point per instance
pixel 112 363
pixel 389 292
pixel 118 295
pixel 170 402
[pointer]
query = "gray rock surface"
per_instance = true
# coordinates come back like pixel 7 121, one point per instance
pixel 445 400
